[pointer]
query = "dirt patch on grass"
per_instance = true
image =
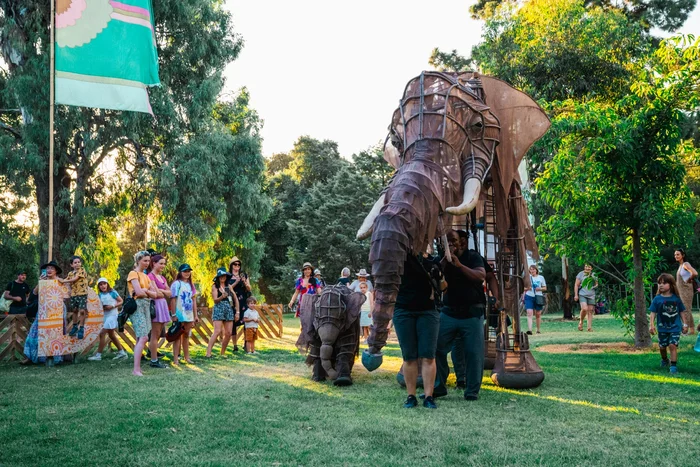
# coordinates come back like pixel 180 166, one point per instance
pixel 612 347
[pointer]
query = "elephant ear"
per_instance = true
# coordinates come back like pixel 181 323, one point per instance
pixel 307 310
pixel 353 304
pixel 391 155
pixel 522 123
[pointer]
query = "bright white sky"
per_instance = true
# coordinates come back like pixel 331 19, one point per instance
pixel 336 70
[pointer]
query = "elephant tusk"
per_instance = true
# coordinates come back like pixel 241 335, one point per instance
pixel 448 253
pixel 366 228
pixel 472 189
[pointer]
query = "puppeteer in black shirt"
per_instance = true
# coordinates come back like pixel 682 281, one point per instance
pixel 462 293
pixel 416 290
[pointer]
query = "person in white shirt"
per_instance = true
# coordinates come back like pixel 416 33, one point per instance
pixel 534 298
pixel 361 278
pixel 251 318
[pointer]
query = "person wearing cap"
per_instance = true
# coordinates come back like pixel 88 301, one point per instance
pixel 183 300
pixel 226 308
pixel 111 301
pixel 361 277
pixel 240 284
pixel 319 278
pixel 17 291
pixel 306 284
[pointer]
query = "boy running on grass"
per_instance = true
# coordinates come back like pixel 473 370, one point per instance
pixel 666 309
pixel 251 318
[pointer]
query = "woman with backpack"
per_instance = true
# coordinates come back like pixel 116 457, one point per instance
pixel 142 290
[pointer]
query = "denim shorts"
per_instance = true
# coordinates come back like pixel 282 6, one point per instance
pixel 530 303
pixel 586 300
pixel 417 332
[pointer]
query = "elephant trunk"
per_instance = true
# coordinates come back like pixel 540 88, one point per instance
pixel 327 362
pixel 388 251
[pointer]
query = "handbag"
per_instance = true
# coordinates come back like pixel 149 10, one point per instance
pixel 153 310
pixel 128 308
pixel 539 300
pixel 174 331
pixel 5 304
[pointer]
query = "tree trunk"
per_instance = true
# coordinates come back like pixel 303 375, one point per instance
pixel 565 295
pixel 641 323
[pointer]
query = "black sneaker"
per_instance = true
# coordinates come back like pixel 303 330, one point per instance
pixel 437 392
pixel 73 331
pixel 469 397
pixel 235 348
pixel 157 364
pixel 429 403
pixel 529 333
pixel 411 402
pixel 461 385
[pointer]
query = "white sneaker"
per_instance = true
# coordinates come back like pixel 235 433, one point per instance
pixel 121 355
pixel 95 358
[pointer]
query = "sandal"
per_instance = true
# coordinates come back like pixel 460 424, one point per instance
pixel 189 361
pixel 580 327
pixel 590 330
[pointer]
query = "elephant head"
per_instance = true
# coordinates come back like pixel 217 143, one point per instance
pixel 336 309
pixel 443 142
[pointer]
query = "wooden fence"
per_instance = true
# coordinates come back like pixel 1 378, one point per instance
pixel 14 330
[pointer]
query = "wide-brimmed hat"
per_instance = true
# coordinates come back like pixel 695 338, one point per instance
pixel 362 273
pixel 317 272
pixel 234 260
pixel 184 267
pixel 222 272
pixel 54 264
pixel 102 279
pixel 307 265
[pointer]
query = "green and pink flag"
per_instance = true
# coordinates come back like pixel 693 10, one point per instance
pixel 105 54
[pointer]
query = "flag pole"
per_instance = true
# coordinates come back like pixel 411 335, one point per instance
pixel 51 125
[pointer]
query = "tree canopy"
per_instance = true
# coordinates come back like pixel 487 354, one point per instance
pixel 616 182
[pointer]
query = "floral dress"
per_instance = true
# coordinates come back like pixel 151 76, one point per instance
pixel 312 288
pixel 223 311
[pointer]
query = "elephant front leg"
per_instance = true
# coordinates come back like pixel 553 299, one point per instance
pixel 347 345
pixel 313 359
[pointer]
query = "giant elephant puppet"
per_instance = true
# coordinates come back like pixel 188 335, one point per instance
pixel 330 332
pixel 451 136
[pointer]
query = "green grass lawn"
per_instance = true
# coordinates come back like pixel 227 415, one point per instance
pixel 592 409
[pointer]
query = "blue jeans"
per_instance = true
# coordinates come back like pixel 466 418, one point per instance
pixel 470 332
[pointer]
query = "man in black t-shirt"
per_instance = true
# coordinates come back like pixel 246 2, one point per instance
pixel 18 291
pixel 462 316
pixel 457 353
